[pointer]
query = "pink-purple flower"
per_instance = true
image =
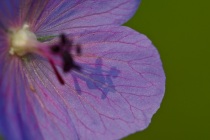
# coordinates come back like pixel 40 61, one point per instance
pixel 69 70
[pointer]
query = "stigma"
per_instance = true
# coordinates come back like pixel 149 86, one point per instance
pixel 22 41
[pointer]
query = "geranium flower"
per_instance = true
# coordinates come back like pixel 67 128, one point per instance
pixel 68 70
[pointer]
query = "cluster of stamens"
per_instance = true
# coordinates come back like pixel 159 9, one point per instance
pixel 63 49
pixel 23 41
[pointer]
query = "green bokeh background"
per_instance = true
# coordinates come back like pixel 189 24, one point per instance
pixel 180 29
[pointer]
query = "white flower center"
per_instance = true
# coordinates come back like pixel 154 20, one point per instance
pixel 22 41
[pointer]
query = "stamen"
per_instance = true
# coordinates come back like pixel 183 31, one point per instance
pixel 60 79
pixel 67 61
pixel 55 49
pixel 64 49
pixel 63 39
pixel 23 41
pixel 78 49
pixel 77 67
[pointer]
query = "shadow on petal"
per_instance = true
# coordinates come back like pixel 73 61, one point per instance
pixel 96 78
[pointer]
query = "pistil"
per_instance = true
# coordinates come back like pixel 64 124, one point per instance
pixel 22 41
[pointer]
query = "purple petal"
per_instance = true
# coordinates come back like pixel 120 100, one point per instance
pixel 119 89
pixel 9 13
pixel 60 15
pixel 17 120
pixel 122 72
pixel 51 17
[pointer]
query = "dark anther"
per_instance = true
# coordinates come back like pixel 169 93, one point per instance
pixel 77 67
pixel 64 49
pixel 65 43
pixel 63 39
pixel 78 50
pixel 68 62
pixel 55 49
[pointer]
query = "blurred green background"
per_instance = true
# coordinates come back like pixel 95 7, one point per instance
pixel 180 29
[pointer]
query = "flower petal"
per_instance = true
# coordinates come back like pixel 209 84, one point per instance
pixel 17 119
pixel 59 15
pixel 122 82
pixel 9 13
pixel 120 87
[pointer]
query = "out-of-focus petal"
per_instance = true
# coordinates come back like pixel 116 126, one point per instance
pixel 17 118
pixel 59 15
pixel 120 87
pixel 9 13
pixel 52 16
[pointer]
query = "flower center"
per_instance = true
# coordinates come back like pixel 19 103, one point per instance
pixel 22 41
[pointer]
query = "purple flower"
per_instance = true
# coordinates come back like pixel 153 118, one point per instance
pixel 69 70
